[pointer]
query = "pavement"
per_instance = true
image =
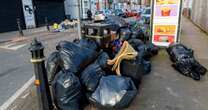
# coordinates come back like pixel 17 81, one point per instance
pixel 6 36
pixel 163 89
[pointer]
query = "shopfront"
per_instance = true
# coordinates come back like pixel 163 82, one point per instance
pixel 53 10
pixel 10 10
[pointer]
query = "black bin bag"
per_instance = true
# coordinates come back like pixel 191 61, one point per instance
pixel 199 68
pixel 177 51
pixel 113 92
pixel 184 61
pixel 133 69
pixel 53 65
pixel 102 60
pixel 74 58
pixel 147 67
pixel 90 77
pixel 152 48
pixel 147 50
pixel 135 43
pixel 66 90
pixel 88 43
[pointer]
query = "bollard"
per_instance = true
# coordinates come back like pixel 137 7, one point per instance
pixel 47 25
pixel 19 27
pixel 41 82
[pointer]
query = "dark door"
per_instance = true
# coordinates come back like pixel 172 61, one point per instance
pixel 10 10
pixel 52 9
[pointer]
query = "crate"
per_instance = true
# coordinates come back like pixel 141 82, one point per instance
pixel 100 32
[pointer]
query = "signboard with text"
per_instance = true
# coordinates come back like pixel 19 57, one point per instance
pixel 166 17
pixel 28 13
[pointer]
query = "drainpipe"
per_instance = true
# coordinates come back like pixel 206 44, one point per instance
pixel 79 20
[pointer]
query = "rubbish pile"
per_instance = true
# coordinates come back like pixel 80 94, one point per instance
pixel 64 25
pixel 139 27
pixel 103 68
pixel 184 61
pixel 116 22
pixel 106 77
pixel 126 30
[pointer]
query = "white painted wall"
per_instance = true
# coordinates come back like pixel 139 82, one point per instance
pixel 187 3
pixel 71 8
pixel 85 6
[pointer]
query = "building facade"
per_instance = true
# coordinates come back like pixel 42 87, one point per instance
pixel 199 14
pixel 71 7
pixel 10 11
pixel 30 13
pixel 197 10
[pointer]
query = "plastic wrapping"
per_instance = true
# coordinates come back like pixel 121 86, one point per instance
pixel 124 34
pixel 152 48
pixel 53 65
pixel 147 67
pixel 114 92
pixel 147 50
pixel 138 34
pixel 116 21
pixel 135 43
pixel 102 60
pixel 66 90
pixel 88 43
pixel 133 69
pixel 177 51
pixel 184 61
pixel 74 58
pixel 90 77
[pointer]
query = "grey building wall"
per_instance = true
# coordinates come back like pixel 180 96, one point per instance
pixel 71 8
pixel 199 13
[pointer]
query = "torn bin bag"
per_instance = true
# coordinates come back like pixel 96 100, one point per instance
pixel 66 90
pixel 184 61
pixel 74 58
pixel 91 75
pixel 53 65
pixel 184 66
pixel 114 92
pixel 177 51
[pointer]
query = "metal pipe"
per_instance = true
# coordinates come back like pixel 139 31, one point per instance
pixel 47 25
pixel 41 81
pixel 79 21
pixel 19 27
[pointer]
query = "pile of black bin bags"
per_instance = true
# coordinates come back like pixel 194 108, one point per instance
pixel 78 71
pixel 184 61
